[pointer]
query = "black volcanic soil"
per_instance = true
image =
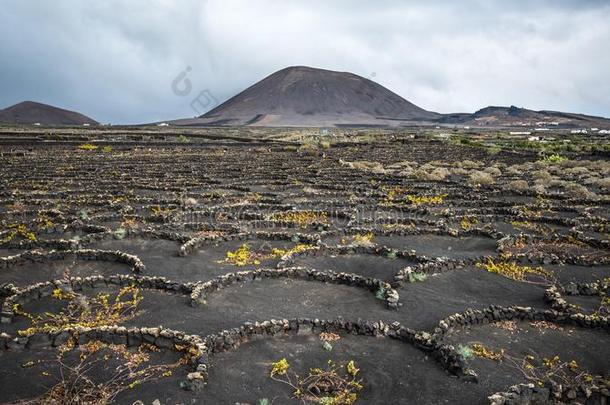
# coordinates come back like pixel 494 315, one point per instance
pixel 394 372
pixel 19 381
pixel 365 265
pixel 236 188
pixel 569 343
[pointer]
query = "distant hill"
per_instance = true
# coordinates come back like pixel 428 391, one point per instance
pixel 30 112
pixel 305 96
pixel 310 97
pixel 515 116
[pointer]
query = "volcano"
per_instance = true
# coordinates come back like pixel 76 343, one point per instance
pixel 305 96
pixel 30 112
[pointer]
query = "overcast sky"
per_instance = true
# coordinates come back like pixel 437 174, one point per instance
pixel 115 60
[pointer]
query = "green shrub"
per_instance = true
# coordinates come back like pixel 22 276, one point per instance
pixel 415 277
pixel 465 351
pixel 553 159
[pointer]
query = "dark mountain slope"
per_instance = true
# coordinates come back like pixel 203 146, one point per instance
pixel 30 112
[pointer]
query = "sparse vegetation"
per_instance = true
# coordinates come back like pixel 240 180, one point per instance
pixel 478 178
pixel 552 371
pixel 301 218
pixel 79 385
pixel 346 223
pixel 483 351
pixel 426 199
pixel 365 240
pixel 245 256
pixel 415 277
pixel 87 147
pixel 335 384
pixel 17 230
pixel 518 185
pixel 518 272
pixel 467 223
pixel 553 159
pixel 83 311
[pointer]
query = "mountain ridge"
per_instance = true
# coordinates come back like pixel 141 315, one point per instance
pixel 312 97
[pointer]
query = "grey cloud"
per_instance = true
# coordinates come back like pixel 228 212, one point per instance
pixel 115 60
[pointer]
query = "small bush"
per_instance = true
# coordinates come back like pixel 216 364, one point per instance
pixel 467 223
pixel 84 311
pixel 493 150
pixel 518 185
pixel 87 147
pixel 553 159
pixel 578 191
pixel 458 171
pixel 415 277
pixel 604 183
pixel 465 352
pixel 437 174
pixel 407 172
pixel 539 189
pixel 556 183
pixel 576 171
pixel 478 178
pixel 309 148
pixel 243 256
pixel 380 294
pixel 494 171
pixel 468 164
pixel 515 170
pixel 484 352
pixel 15 230
pixel 542 175
pixel 426 199
pixel 336 384
pixel 301 218
pixel 517 272
pixel 373 167
pixel 365 240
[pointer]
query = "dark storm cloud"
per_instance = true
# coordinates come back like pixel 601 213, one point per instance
pixel 115 60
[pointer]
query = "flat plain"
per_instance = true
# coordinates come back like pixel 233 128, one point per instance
pixel 285 265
